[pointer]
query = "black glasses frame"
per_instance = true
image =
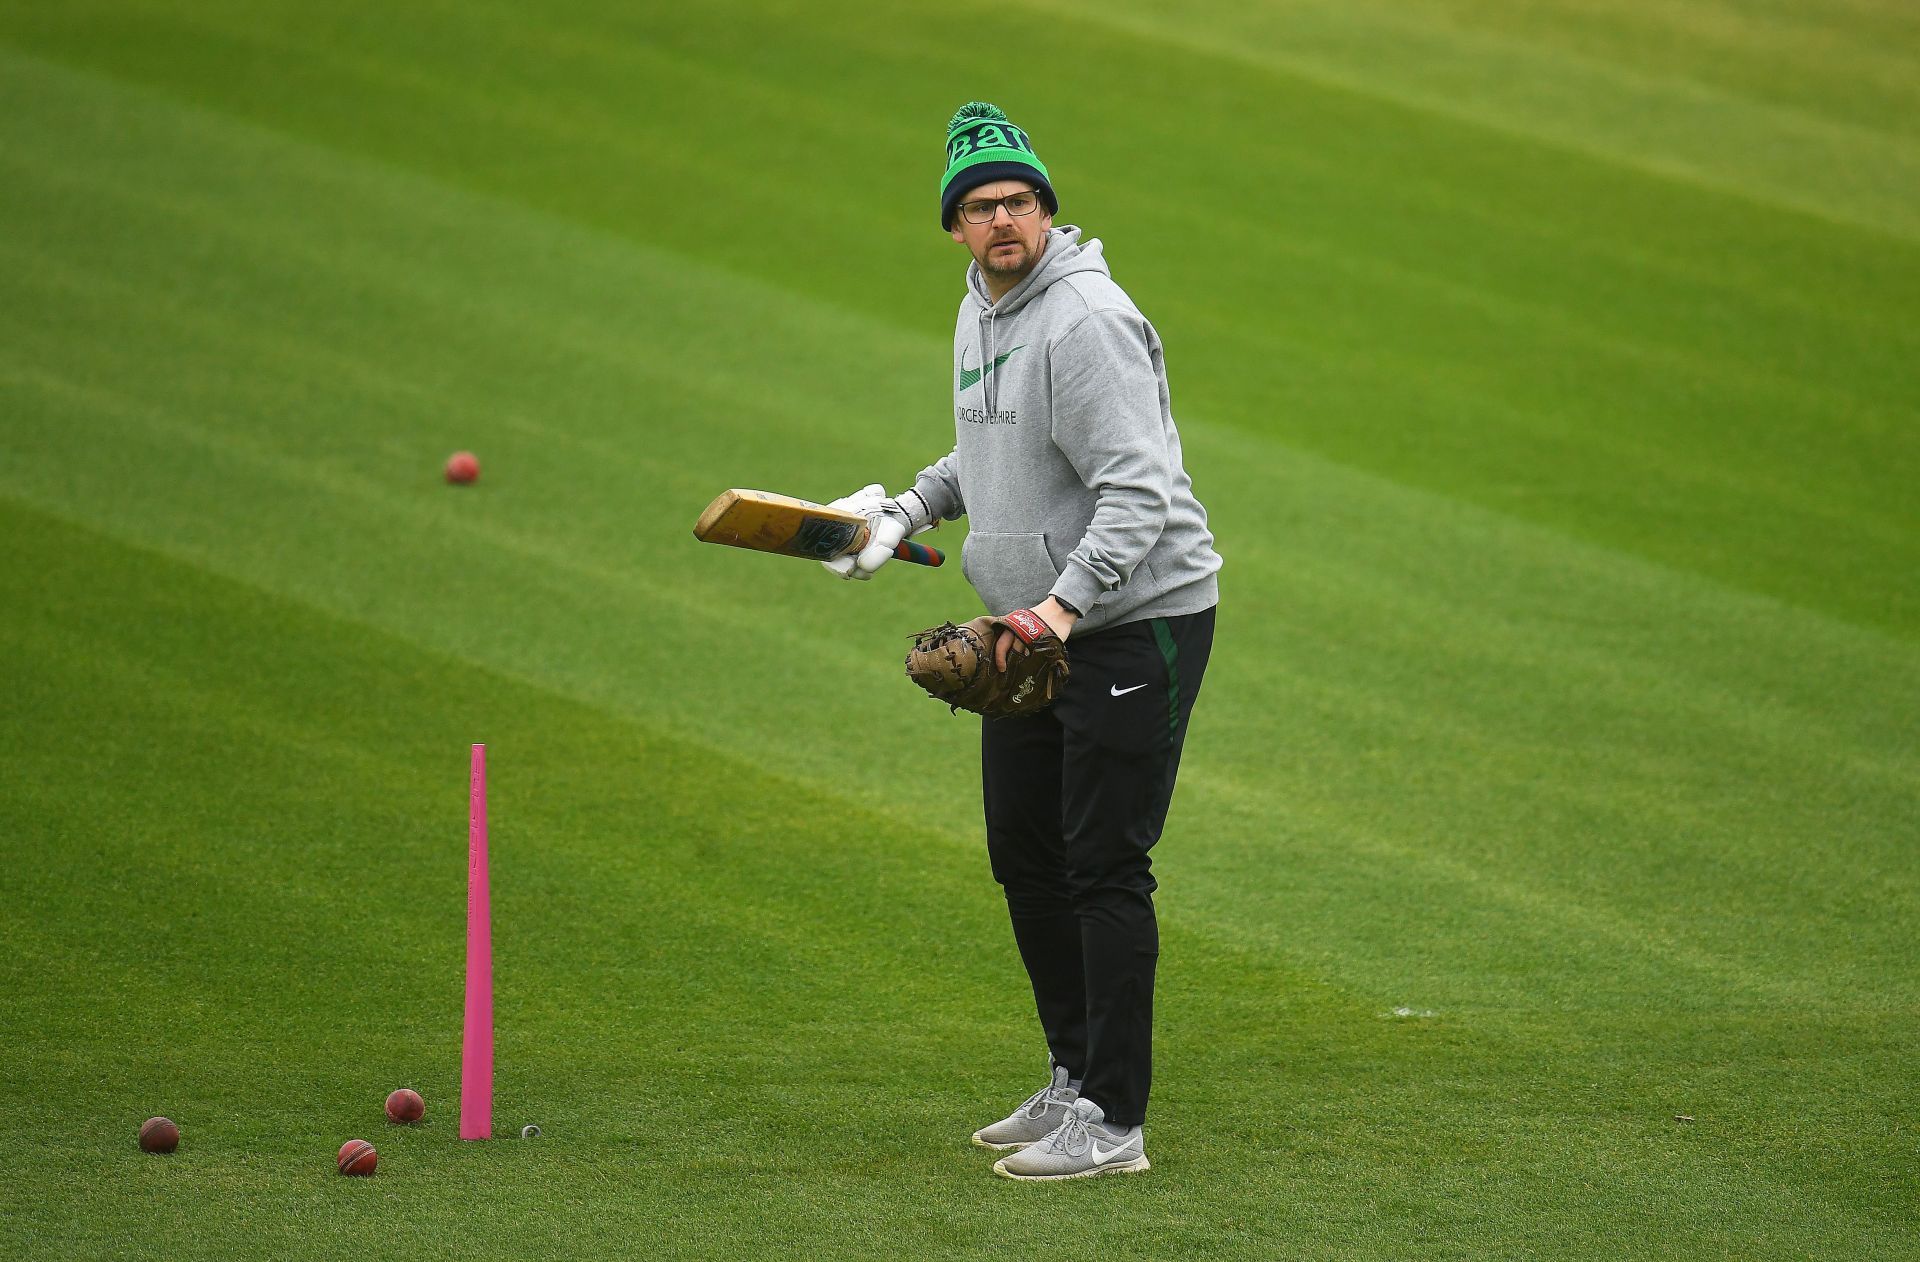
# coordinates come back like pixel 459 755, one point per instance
pixel 969 210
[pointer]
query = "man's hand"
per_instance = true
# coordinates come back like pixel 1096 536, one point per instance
pixel 1050 612
pixel 888 522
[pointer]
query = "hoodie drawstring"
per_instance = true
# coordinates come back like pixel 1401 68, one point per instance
pixel 986 362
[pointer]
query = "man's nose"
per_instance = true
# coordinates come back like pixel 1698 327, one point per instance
pixel 999 209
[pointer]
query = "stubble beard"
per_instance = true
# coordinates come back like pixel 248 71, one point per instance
pixel 1021 263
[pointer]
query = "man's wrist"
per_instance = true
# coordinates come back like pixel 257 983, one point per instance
pixel 1057 614
pixel 912 507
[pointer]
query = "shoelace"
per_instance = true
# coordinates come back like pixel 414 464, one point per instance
pixel 1070 1137
pixel 1038 1103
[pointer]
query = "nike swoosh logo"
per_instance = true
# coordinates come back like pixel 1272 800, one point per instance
pixel 1118 691
pixel 1101 1158
pixel 970 375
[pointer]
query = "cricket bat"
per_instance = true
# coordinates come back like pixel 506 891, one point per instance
pixel 789 527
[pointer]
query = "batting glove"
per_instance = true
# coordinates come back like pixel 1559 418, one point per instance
pixel 889 523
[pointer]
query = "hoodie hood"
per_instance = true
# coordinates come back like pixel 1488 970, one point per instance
pixel 1063 257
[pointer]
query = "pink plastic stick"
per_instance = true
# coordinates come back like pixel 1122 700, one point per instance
pixel 476 1059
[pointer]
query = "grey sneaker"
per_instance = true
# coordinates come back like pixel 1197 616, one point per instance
pixel 1033 1121
pixel 1080 1148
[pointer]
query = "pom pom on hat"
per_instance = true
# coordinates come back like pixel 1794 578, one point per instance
pixel 975 109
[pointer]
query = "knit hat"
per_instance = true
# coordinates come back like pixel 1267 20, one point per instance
pixel 982 146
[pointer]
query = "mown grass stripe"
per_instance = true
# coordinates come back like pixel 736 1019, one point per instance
pixel 1620 838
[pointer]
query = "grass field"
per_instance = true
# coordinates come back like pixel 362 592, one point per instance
pixel 1550 371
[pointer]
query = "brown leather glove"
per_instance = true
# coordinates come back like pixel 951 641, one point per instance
pixel 955 665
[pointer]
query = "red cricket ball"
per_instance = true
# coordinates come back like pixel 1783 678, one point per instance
pixel 463 467
pixel 159 1134
pixel 405 1105
pixel 358 1157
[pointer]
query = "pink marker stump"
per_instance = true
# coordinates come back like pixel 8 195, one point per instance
pixel 476 1055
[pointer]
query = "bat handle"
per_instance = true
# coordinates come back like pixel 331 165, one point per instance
pixel 919 553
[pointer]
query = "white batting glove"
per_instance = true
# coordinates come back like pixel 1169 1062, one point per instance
pixel 888 524
pixel 866 501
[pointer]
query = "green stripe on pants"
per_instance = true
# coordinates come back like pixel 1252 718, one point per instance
pixel 1171 652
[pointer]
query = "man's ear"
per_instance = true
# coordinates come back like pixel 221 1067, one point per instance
pixel 956 234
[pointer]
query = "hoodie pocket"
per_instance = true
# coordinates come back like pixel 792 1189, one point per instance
pixel 1009 571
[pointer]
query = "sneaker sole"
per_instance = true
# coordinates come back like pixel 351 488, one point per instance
pixel 1013 1147
pixel 1136 1166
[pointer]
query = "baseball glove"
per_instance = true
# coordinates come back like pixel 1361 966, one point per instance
pixel 955 665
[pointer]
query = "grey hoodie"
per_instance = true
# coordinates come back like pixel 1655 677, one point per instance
pixel 1065 458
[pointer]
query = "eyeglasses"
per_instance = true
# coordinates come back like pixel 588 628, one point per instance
pixel 1017 204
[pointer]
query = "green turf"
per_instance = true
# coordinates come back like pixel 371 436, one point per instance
pixel 1549 370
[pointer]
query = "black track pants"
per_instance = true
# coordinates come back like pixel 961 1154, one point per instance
pixel 1075 798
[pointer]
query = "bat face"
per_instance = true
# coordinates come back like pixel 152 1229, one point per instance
pixel 766 522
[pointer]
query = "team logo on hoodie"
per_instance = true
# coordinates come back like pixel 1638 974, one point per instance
pixel 970 375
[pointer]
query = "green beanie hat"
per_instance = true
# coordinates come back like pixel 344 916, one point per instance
pixel 982 146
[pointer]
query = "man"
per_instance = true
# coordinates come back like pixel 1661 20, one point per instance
pixel 1068 464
